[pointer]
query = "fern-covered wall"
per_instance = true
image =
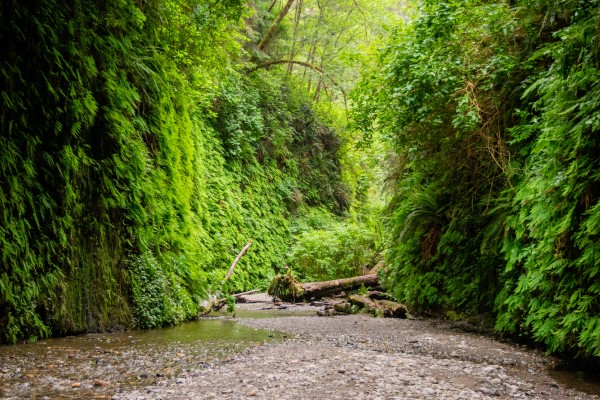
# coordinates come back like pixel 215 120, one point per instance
pixel 492 109
pixel 135 162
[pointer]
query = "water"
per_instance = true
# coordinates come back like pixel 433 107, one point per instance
pixel 205 330
pixel 137 359
pixel 125 360
pixel 580 381
pixel 266 313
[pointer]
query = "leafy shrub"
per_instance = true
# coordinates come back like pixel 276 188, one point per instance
pixel 326 247
pixel 285 287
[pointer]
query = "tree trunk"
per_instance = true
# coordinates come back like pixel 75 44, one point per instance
pixel 327 288
pixel 286 288
pixel 269 35
pixel 382 308
pixel 297 15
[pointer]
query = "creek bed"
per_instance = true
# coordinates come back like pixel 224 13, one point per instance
pixel 342 357
pixel 100 365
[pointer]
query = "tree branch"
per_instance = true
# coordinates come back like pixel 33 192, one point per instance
pixel 273 62
pixel 236 260
pixel 269 35
pixel 304 64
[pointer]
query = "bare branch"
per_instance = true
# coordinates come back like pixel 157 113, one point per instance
pixel 236 260
pixel 273 62
pixel 307 65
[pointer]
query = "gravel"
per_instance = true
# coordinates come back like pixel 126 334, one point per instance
pixel 303 357
pixel 360 357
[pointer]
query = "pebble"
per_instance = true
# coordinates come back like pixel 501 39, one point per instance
pixel 349 357
pixel 427 391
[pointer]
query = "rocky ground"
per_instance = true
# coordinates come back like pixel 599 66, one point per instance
pixel 360 357
pixel 341 357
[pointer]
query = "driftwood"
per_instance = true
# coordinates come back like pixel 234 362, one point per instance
pixel 214 303
pixel 286 288
pixel 244 250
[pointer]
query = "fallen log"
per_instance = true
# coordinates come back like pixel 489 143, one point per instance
pixel 327 288
pixel 237 258
pixel 246 293
pixel 214 303
pixel 391 309
pixel 343 308
pixel 239 297
pixel 287 288
pixel 363 302
pixel 382 308
pixel 377 295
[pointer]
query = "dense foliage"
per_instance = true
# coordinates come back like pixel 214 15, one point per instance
pixel 142 144
pixel 492 110
pixel 328 247
pixel 137 159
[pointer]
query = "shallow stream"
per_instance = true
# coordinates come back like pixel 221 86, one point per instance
pixel 584 382
pixel 100 365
